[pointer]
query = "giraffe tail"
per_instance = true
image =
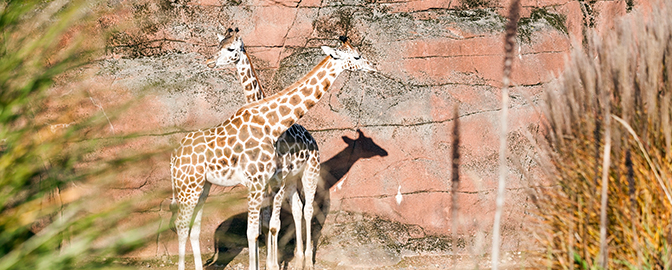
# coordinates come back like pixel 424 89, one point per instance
pixel 173 202
pixel 173 210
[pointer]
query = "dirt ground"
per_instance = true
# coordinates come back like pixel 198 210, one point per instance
pixel 510 261
pixel 349 241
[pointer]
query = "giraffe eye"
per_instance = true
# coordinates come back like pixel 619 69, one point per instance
pixel 358 57
pixel 230 49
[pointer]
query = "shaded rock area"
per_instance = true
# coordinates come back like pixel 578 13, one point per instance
pixel 384 138
pixel 360 240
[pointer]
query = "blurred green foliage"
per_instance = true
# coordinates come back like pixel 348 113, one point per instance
pixel 53 176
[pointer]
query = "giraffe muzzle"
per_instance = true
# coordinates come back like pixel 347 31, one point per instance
pixel 368 67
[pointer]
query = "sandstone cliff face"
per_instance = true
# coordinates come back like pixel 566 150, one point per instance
pixel 430 56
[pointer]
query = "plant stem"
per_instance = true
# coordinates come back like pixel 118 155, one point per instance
pixel 605 188
pixel 509 43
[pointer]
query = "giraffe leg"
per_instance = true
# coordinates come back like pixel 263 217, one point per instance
pixel 274 228
pixel 184 214
pixel 254 198
pixel 195 245
pixel 196 228
pixel 297 213
pixel 309 179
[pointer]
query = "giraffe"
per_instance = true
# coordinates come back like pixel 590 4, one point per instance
pixel 241 150
pixel 227 235
pixel 296 148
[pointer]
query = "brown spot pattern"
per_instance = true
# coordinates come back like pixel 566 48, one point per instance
pixel 284 110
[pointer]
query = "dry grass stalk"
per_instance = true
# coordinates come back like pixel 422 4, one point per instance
pixel 455 162
pixel 630 174
pixel 606 163
pixel 509 44
pixel 625 75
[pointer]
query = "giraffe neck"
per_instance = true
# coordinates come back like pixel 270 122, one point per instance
pixel 248 79
pixel 284 108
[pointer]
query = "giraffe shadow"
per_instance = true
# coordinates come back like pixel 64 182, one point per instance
pixel 231 238
pixel 231 235
pixel 333 171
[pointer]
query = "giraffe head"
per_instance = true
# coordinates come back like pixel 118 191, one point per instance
pixel 230 48
pixel 364 147
pixel 348 57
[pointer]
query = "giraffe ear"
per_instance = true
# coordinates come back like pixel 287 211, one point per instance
pixel 330 51
pixel 242 44
pixel 220 37
pixel 347 140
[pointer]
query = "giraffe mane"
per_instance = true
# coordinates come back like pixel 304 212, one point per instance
pixel 254 71
pixel 289 88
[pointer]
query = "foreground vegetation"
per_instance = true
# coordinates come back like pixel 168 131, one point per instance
pixel 609 132
pixel 54 174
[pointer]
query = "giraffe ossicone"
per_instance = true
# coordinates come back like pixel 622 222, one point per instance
pixel 241 150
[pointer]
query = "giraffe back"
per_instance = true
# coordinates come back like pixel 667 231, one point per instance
pixel 226 153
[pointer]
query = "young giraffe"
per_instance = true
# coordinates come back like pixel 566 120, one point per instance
pixel 296 148
pixel 242 151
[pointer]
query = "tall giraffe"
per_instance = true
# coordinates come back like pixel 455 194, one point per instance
pixel 296 148
pixel 242 151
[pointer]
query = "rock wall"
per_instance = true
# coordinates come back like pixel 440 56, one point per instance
pixel 430 55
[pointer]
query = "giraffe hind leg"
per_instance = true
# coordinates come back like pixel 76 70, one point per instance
pixel 182 221
pixel 185 221
pixel 310 180
pixel 195 232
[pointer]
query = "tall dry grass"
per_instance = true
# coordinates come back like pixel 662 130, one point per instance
pixel 455 182
pixel 609 140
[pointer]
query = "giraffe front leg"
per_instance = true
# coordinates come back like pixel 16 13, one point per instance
pixel 195 243
pixel 297 214
pixel 308 216
pixel 254 206
pixel 310 179
pixel 274 229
